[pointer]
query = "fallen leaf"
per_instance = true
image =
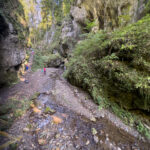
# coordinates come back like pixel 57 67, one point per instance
pixel 94 131
pixel 57 120
pixel 36 110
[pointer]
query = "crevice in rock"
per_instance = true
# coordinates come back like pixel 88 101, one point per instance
pixel 17 67
pixel 3 27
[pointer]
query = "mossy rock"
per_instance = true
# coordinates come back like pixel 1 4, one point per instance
pixel 115 64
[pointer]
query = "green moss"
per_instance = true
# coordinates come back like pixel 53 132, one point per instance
pixel 143 130
pixel 49 110
pixel 9 79
pixel 109 63
pixel 147 8
pixel 13 109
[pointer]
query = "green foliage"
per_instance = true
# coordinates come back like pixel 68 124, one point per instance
pixel 119 60
pixel 43 59
pixel 35 96
pixel 124 20
pixel 40 61
pixel 49 110
pixel 12 110
pixel 55 44
pixel 14 13
pixel 143 130
pixel 147 8
pixel 18 107
pixel 90 25
pixel 114 67
pixel 9 78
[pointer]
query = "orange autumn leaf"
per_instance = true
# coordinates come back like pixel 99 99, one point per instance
pixel 56 120
pixel 36 110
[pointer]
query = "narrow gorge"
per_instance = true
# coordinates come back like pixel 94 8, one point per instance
pixel 74 74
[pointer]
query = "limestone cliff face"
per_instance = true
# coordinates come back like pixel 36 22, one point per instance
pixel 109 14
pixel 12 53
pixel 69 36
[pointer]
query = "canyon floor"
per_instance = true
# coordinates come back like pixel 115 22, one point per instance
pixel 64 117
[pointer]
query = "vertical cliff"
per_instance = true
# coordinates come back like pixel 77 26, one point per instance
pixel 87 15
pixel 13 34
pixel 113 62
pixel 111 14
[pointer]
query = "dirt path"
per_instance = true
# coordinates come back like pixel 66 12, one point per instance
pixel 65 118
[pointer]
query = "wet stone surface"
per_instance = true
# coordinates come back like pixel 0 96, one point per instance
pixel 65 130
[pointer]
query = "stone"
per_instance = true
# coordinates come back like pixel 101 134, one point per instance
pixel 96 139
pixel 88 142
pixel 57 136
pixel 79 14
pixel 93 119
pixel 26 130
pixel 55 61
pixel 12 54
pixel 98 11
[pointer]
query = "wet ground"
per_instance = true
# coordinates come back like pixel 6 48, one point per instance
pixel 64 117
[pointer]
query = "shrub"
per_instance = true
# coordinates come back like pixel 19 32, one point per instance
pixel 115 63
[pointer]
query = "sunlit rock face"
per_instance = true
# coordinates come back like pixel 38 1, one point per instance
pixel 69 36
pixel 109 14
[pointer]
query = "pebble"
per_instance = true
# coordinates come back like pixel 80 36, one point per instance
pixel 101 142
pixel 93 119
pixel 88 142
pixel 101 132
pixel 57 136
pixel 26 130
pixel 96 139
pixel 107 139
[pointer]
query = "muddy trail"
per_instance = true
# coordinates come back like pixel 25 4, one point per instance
pixel 63 117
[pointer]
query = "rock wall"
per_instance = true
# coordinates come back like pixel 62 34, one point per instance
pixel 12 53
pixel 110 14
pixel 69 36
pixel 107 15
